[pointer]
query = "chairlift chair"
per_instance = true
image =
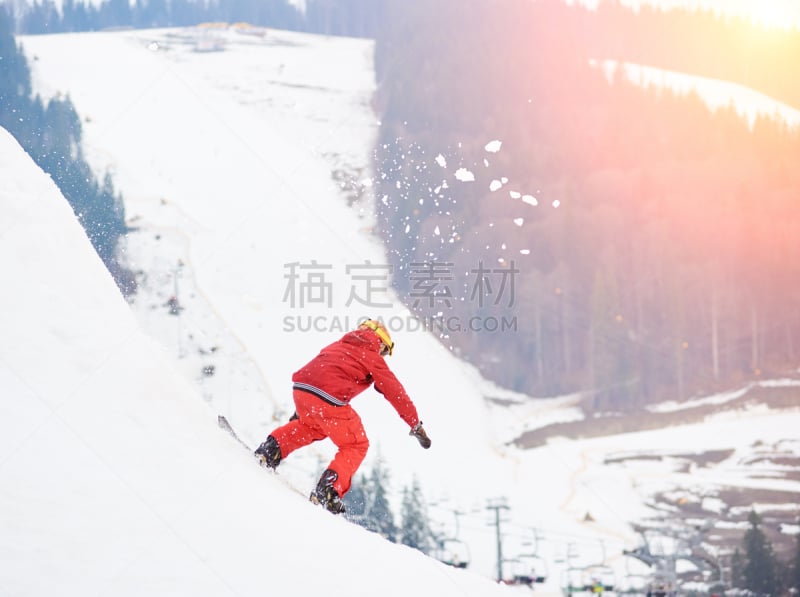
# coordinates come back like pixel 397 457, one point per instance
pixel 454 552
pixel 527 570
pixel 594 579
pixel 598 578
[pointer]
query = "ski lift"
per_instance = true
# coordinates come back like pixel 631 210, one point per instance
pixel 685 546
pixel 527 569
pixel 637 576
pixel 451 550
pixel 595 579
pixel 662 585
pixel 598 578
pixel 454 552
pixel 571 581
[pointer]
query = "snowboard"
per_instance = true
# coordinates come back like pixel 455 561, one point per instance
pixel 222 421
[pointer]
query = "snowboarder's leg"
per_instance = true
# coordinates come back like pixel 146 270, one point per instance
pixel 317 420
pixel 302 429
pixel 326 495
pixel 351 439
pixel 295 434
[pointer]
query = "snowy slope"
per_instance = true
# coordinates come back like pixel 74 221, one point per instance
pixel 115 478
pixel 227 157
pixel 749 104
pixel 225 161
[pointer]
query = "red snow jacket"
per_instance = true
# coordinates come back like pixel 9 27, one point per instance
pixel 350 365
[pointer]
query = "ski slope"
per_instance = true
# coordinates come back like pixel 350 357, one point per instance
pixel 227 158
pixel 115 478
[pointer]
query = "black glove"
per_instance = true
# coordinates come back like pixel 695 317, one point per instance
pixel 422 437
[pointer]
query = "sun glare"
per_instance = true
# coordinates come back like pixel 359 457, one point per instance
pixel 775 13
pixel 779 14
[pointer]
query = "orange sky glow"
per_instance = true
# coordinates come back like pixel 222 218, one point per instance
pixel 769 13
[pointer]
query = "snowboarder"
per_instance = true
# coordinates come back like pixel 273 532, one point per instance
pixel 322 391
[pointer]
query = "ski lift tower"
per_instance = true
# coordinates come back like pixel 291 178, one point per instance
pixel 665 580
pixel 497 505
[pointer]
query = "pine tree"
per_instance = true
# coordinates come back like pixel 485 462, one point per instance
pixel 42 17
pixel 51 134
pixel 15 78
pixel 355 501
pixel 367 503
pixel 415 530
pixel 760 570
pixel 379 513
pixel 737 565
pixel 794 578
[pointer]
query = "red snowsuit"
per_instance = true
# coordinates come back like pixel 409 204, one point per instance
pixel 322 392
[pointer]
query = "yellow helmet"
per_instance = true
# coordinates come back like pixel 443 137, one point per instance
pixel 382 333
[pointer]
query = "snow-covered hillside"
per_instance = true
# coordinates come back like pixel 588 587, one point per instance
pixel 716 94
pixel 240 168
pixel 224 160
pixel 115 478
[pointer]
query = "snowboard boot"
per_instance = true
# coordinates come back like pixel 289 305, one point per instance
pixel 325 495
pixel 269 453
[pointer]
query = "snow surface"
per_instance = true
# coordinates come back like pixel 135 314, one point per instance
pixel 116 479
pixel 749 104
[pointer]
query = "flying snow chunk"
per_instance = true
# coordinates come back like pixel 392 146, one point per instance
pixel 493 146
pixel 519 221
pixel 525 251
pixel 530 200
pixel 515 194
pixel 556 203
pixel 441 161
pixel 495 185
pixel 436 231
pixel 465 175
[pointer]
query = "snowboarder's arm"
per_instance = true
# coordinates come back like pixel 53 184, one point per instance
pixel 387 384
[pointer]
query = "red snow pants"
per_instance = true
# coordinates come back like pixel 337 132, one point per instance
pixel 317 420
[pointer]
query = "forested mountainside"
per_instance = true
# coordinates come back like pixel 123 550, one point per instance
pixel 50 132
pixel 638 244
